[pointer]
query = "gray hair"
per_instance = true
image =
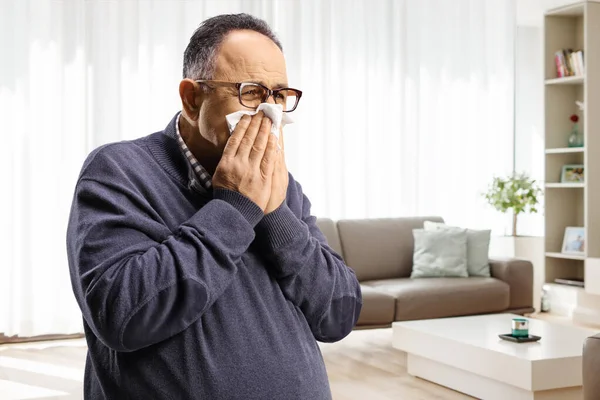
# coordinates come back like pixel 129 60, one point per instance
pixel 200 55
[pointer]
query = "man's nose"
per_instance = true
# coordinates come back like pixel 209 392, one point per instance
pixel 270 98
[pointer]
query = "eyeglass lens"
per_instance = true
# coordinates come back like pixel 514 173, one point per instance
pixel 252 95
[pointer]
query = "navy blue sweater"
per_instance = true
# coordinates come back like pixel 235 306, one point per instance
pixel 188 294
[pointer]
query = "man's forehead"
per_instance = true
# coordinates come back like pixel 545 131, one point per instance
pixel 251 57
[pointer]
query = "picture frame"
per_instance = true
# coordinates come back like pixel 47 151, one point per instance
pixel 574 240
pixel 572 173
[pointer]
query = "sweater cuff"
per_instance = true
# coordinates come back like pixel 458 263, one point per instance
pixel 281 226
pixel 249 209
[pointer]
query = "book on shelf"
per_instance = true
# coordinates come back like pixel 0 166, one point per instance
pixel 569 63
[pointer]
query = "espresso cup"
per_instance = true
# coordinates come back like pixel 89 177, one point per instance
pixel 520 327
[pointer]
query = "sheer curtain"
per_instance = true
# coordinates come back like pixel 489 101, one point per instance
pixel 407 110
pixel 408 107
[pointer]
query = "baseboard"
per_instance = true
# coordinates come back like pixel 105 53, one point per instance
pixel 42 338
pixel 520 311
pixel 364 327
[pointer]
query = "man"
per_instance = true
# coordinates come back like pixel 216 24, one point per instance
pixel 195 260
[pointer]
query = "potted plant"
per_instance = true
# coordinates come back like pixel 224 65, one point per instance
pixel 517 193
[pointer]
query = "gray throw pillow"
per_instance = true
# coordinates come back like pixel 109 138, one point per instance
pixel 478 247
pixel 440 253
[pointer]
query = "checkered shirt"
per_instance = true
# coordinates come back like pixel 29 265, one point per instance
pixel 202 175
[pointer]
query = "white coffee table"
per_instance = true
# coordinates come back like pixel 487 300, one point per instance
pixel 466 354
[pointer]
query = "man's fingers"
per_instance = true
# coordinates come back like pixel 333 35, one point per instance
pixel 261 141
pixel 281 144
pixel 267 165
pixel 247 141
pixel 234 141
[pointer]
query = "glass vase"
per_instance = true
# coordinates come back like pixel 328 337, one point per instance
pixel 576 137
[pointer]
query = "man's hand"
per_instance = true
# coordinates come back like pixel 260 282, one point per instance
pixel 248 162
pixel 280 179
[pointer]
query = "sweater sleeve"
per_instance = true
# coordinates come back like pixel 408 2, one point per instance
pixel 310 273
pixel 136 281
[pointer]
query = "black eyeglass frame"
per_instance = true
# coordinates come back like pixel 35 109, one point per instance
pixel 268 92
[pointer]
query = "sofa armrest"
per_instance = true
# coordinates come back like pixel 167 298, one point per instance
pixel 590 368
pixel 518 274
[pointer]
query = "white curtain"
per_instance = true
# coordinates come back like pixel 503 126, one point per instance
pixel 408 107
pixel 407 110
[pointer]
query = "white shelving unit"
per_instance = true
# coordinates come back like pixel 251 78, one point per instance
pixel 570 80
pixel 565 150
pixel 576 27
pixel 565 256
pixel 565 185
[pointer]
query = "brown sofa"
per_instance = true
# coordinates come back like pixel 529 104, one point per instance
pixel 591 368
pixel 380 251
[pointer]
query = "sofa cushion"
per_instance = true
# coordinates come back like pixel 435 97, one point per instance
pixel 444 297
pixel 380 248
pixel 378 307
pixel 478 247
pixel 329 229
pixel 440 253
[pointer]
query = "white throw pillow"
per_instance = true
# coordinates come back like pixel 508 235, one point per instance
pixel 478 247
pixel 440 253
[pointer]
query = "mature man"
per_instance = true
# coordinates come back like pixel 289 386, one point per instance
pixel 194 257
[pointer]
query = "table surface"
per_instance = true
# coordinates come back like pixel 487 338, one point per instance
pixel 557 341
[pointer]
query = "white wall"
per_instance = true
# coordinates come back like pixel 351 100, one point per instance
pixel 529 108
pixel 529 98
pixel 531 12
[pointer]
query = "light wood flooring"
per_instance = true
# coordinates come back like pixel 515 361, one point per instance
pixel 363 366
pixel 50 370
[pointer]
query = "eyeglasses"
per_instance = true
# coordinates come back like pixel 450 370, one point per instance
pixel 252 94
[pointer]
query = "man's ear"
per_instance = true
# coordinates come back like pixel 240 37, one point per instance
pixel 192 96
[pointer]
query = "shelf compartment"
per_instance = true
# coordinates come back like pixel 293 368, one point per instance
pixel 563 268
pixel 567 209
pixel 555 163
pixel 561 103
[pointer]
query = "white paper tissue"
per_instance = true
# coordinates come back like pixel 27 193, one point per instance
pixel 273 111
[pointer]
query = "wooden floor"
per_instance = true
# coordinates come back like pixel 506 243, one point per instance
pixel 50 370
pixel 363 366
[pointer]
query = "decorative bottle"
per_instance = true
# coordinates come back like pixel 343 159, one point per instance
pixel 576 135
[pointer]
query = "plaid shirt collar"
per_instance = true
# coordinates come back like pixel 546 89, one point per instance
pixel 203 176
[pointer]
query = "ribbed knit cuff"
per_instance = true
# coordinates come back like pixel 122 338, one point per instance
pixel 249 209
pixel 281 226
